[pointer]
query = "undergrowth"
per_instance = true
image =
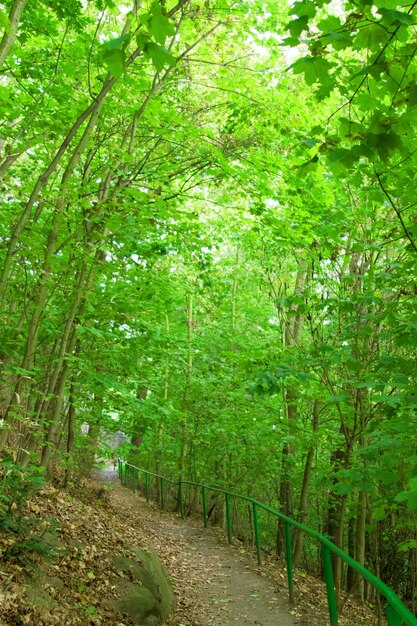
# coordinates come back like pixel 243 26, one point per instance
pixel 22 534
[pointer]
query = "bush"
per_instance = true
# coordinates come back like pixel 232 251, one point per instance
pixel 18 484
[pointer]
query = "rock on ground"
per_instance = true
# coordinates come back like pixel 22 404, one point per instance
pixel 215 584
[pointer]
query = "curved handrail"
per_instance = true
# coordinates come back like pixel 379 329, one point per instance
pixel 396 612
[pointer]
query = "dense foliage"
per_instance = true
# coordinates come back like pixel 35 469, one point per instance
pixel 215 257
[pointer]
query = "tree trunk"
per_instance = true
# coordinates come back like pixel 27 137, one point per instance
pixel 186 394
pixel 302 507
pixel 70 433
pixel 55 410
pixel 160 432
pixel 42 287
pixel 9 37
pixel 292 333
pixel 336 513
pixel 137 434
pixel 360 543
pixel 350 578
pixel 93 435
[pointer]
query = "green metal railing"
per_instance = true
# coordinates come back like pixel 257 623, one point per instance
pixel 396 612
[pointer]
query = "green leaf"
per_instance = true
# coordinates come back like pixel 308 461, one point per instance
pixel 4 93
pixel 159 25
pixel 410 544
pixel 410 495
pixel 342 155
pixel 339 41
pixel 297 26
pixel 309 166
pixel 119 43
pixel 310 142
pixel 344 488
pixel 386 142
pixel 393 401
pixel 115 61
pixel 395 18
pixel 159 55
pixel 379 513
pixel 314 68
pixel 114 56
pixel 330 23
pixel 370 37
pixel 142 40
pixel 304 8
pixel 5 23
pixel 338 397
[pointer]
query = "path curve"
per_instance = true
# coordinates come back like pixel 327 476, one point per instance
pixel 214 583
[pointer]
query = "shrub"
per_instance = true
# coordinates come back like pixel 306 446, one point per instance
pixel 18 484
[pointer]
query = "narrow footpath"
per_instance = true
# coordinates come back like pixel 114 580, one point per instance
pixel 215 584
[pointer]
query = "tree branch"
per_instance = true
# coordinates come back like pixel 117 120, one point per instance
pixel 397 212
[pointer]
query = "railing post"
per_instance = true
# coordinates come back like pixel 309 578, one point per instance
pixel 396 613
pixel 180 500
pixel 161 492
pixel 288 558
pixel 256 532
pixel 228 518
pixel 147 487
pixel 393 618
pixel 328 577
pixel 204 503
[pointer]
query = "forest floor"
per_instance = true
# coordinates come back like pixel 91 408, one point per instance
pixel 214 584
pixel 217 584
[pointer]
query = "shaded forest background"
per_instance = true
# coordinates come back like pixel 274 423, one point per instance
pixel 207 242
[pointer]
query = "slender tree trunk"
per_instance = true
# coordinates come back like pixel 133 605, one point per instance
pixel 43 283
pixel 90 112
pixel 351 551
pixel 336 513
pixel 302 507
pixel 55 407
pixel 137 434
pixel 71 432
pixel 186 393
pixel 9 36
pixel 160 432
pixel 360 543
pixel 87 462
pixel 361 405
pixel 233 311
pixel 67 340
pixel 285 487
pixel 292 333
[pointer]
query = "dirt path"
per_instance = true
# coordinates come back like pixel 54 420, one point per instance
pixel 215 584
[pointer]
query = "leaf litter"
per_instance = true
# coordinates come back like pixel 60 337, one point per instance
pixel 215 584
